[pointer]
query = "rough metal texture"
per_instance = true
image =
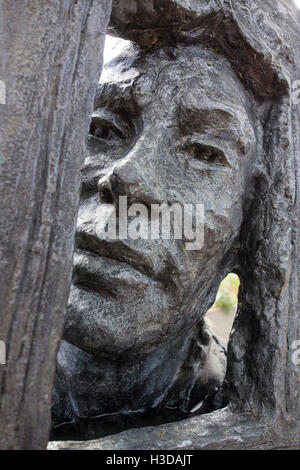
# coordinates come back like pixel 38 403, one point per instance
pixel 221 429
pixel 139 304
pixel 207 75
pixel 50 61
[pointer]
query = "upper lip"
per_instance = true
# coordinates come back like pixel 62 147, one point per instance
pixel 150 261
pixel 105 275
pixel 115 250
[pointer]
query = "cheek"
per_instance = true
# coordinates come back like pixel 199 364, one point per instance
pixel 223 215
pixel 224 212
pixel 221 192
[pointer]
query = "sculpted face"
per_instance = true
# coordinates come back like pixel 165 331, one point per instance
pixel 160 133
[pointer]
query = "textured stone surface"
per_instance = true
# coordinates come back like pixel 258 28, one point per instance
pixel 220 80
pixel 50 62
pixel 218 430
pixel 141 306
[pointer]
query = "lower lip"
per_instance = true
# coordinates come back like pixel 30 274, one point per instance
pixel 107 273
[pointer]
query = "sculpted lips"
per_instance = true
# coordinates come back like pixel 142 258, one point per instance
pixel 108 266
pixel 105 275
pixel 143 257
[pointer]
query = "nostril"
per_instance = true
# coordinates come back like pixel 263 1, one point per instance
pixel 106 196
pixel 105 190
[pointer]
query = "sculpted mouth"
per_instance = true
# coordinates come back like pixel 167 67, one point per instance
pixel 106 275
pixel 110 267
pixel 117 250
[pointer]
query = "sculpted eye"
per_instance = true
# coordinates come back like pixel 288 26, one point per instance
pixel 208 154
pixel 105 130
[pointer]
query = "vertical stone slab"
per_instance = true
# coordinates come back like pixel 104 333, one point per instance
pixel 50 63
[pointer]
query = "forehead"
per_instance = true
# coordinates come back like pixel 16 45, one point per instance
pixel 192 78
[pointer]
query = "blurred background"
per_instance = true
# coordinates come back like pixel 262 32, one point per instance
pixel 221 315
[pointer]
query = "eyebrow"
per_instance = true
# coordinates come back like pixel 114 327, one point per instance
pixel 112 96
pixel 228 122
pixel 199 120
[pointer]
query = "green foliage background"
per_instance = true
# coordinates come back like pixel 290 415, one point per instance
pixel 227 295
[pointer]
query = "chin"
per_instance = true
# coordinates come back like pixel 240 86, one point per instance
pixel 102 325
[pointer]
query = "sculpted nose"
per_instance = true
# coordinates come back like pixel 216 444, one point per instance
pixel 121 180
pixel 128 178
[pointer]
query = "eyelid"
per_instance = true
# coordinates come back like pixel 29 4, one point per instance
pixel 111 119
pixel 98 122
pixel 220 156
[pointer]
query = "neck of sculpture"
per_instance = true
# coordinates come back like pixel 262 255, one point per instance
pixel 96 392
